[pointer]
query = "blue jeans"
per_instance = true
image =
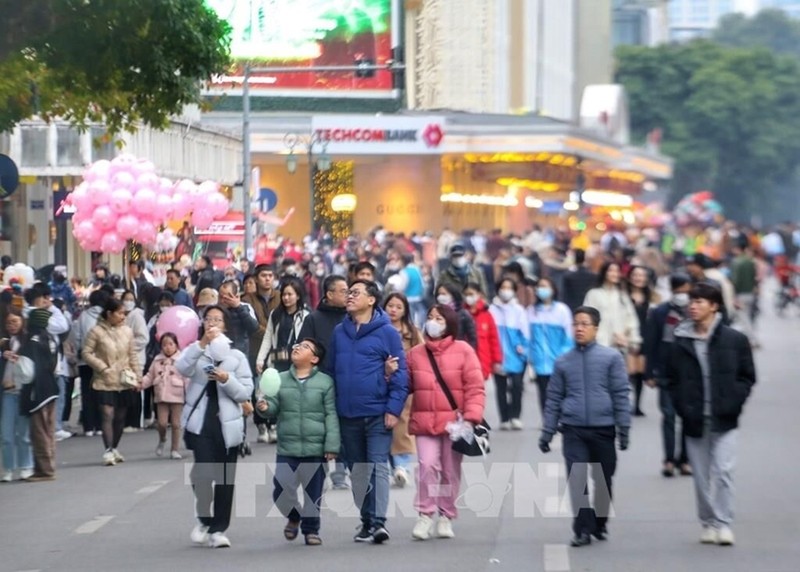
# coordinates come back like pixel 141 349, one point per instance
pixel 17 452
pixel 367 444
pixel 403 460
pixel 308 473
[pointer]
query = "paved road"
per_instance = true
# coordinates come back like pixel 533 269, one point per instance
pixel 138 515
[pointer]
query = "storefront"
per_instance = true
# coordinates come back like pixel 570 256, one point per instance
pixel 424 172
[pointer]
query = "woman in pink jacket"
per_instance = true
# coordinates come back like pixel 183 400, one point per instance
pixel 170 393
pixel 439 472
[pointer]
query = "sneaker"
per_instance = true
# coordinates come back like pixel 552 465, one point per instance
pixel 41 478
pixel 175 455
pixel 444 528
pixel 199 534
pixel 117 457
pixel 400 477
pixel 262 434
pixel 725 537
pixel 61 435
pixel 130 430
pixel 341 486
pixel 505 426
pixel 7 477
pixel 109 460
pixel 516 425
pixel 160 448
pixel 422 530
pixel 272 435
pixel 218 540
pixel 25 474
pixel 364 534
pixel 379 535
pixel 88 433
pixel 709 535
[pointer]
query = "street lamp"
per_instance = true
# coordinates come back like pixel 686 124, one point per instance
pixel 316 149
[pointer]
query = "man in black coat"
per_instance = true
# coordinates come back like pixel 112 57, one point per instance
pixel 710 373
pixel 578 282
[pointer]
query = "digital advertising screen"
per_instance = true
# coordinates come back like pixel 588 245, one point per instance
pixel 308 34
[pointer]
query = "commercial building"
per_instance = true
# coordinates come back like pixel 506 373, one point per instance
pixel 640 22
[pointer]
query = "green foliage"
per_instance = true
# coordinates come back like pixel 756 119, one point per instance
pixel 121 62
pixel 771 29
pixel 728 115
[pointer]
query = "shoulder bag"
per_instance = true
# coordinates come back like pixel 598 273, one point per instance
pixel 479 444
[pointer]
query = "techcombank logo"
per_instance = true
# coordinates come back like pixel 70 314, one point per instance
pixel 432 135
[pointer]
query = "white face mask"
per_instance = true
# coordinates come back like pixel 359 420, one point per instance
pixel 444 299
pixel 506 295
pixel 434 329
pixel 459 261
pixel 471 300
pixel 129 305
pixel 680 300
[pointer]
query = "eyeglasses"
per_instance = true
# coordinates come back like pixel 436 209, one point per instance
pixel 305 346
pixel 355 293
pixel 213 320
pixel 582 325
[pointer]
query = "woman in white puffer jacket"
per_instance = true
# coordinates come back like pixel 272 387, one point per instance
pixel 619 325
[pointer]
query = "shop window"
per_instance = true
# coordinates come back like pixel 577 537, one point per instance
pixel 102 145
pixel 34 147
pixel 68 147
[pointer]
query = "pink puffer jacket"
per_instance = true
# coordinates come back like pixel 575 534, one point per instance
pixel 461 370
pixel 169 385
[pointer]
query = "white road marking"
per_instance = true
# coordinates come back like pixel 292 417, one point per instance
pixel 556 558
pixel 151 488
pixel 94 525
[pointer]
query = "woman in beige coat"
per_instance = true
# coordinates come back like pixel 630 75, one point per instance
pixel 109 351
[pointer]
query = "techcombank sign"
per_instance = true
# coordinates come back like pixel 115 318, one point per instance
pixel 365 135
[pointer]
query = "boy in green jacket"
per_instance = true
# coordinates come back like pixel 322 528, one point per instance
pixel 308 437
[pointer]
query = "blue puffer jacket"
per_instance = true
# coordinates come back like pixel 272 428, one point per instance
pixel 357 361
pixel 512 328
pixel 588 388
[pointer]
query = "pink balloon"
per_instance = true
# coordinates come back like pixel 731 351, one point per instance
pixel 202 219
pixel 218 205
pixel 121 200
pixel 181 321
pixel 181 205
pixel 143 166
pixel 166 187
pixel 99 192
pixel 93 234
pixel 112 242
pixel 104 217
pixel 125 159
pixel 80 198
pixel 146 232
pixel 127 226
pixel 124 180
pixel 207 187
pixel 148 180
pixel 99 170
pixel 83 229
pixel 185 186
pixel 144 201
pixel 164 207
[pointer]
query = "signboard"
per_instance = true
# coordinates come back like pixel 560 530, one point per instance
pixel 384 135
pixel 9 176
pixel 306 33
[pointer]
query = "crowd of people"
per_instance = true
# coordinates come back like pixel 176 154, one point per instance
pixel 373 338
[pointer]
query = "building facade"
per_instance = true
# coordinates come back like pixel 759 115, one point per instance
pixel 640 22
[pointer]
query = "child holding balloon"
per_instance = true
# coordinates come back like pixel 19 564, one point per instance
pixel 304 403
pixel 170 393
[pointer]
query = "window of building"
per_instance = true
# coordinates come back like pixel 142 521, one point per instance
pixel 68 147
pixel 34 147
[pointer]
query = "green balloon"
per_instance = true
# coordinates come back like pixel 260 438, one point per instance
pixel 270 383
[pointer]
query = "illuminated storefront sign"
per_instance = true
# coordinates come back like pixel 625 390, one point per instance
pixel 379 135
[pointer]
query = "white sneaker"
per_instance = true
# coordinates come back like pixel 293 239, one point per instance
pixel 160 448
pixel 725 537
pixel 444 528
pixel 117 457
pixel 88 434
pixel 505 426
pixel 262 434
pixel 516 425
pixel 422 530
pixel 709 535
pixel 199 534
pixel 272 434
pixel 25 474
pixel 400 477
pixel 61 435
pixel 7 477
pixel 175 455
pixel 108 458
pixel 219 540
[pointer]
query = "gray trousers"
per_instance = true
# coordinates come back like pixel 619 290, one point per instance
pixel 713 459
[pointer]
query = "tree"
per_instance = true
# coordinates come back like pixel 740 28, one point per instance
pixel 772 29
pixel 120 62
pixel 728 117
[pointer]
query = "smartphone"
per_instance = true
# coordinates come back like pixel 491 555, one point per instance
pixel 209 368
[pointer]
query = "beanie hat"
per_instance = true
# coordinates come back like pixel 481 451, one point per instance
pixel 38 319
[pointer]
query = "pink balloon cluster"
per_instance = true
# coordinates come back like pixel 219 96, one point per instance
pixel 124 199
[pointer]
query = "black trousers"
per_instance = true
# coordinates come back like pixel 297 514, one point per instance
pixel 668 430
pixel 90 407
pixel 586 447
pixel 212 476
pixel 509 396
pixel 541 383
pixel 69 387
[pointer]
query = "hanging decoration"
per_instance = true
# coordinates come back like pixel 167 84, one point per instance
pixel 338 180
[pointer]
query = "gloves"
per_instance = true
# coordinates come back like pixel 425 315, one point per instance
pixel 544 442
pixel 624 441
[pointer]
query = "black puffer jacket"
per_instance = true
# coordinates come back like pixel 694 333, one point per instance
pixel 319 325
pixel 732 375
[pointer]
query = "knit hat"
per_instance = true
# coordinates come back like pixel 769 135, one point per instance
pixel 38 319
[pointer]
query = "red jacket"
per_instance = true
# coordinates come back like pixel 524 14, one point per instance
pixel 489 351
pixel 430 410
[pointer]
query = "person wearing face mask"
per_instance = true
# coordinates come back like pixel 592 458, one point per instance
pixel 659 337
pixel 439 474
pixel 550 334
pixel 513 328
pixel 460 272
pixel 489 351
pixel 134 319
pixel 448 295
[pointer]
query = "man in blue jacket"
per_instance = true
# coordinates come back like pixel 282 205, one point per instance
pixel 368 402
pixel 587 400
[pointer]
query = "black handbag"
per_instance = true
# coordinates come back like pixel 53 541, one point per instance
pixel 479 446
